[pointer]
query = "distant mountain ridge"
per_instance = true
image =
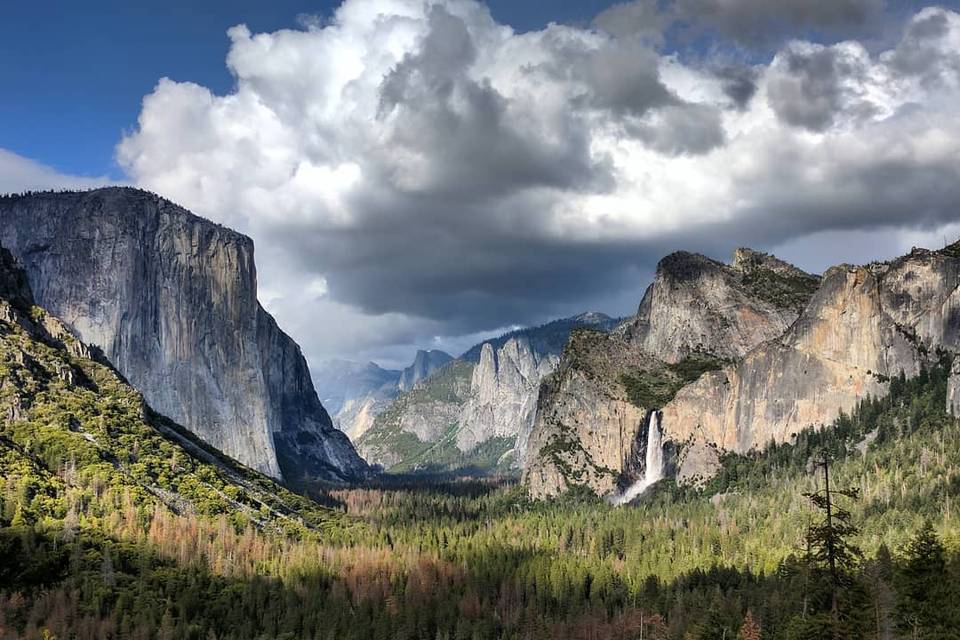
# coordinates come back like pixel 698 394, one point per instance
pixel 549 338
pixel 476 411
pixel 356 392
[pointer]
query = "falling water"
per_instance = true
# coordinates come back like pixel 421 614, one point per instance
pixel 654 462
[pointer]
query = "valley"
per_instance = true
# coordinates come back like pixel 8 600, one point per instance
pixel 548 483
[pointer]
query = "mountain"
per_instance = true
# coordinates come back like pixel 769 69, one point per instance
pixel 74 433
pixel 355 393
pixel 503 393
pixel 340 381
pixel 698 305
pixel 171 299
pixel 736 357
pixel 477 411
pixel 696 315
pixel 546 339
pixel 424 364
pixel 864 326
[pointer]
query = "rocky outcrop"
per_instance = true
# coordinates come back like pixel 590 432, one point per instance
pixel 171 299
pixel 413 422
pixel 424 364
pixel 863 326
pixel 697 304
pixel 503 394
pixel 587 430
pixel 477 410
pixel 953 390
pixel 586 426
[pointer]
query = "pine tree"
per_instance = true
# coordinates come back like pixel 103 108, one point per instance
pixel 834 559
pixel 19 520
pixel 750 629
pixel 924 593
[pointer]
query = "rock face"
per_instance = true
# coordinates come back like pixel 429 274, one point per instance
pixel 863 326
pixel 171 299
pixel 696 304
pixel 424 364
pixel 477 410
pixel 586 426
pixel 860 327
pixel 587 430
pixel 503 394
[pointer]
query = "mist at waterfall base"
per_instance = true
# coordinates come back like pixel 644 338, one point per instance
pixel 654 462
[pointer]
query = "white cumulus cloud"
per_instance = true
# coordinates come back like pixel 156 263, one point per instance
pixel 411 169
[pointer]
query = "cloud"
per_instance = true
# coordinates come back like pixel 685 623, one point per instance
pixel 641 18
pixel 414 171
pixel 762 21
pixel 739 82
pixel 22 174
pixel 810 85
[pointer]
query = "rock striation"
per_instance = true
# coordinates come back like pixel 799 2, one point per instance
pixel 171 299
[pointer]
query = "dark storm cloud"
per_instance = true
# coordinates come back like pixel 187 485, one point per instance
pixel 739 83
pixel 810 85
pixel 765 21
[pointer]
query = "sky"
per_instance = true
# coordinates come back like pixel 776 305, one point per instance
pixel 425 173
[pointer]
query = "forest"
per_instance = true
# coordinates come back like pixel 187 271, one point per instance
pixel 93 543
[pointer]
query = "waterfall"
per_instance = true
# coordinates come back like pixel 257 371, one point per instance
pixel 654 461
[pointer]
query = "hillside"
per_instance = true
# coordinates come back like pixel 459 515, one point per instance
pixel 475 414
pixel 72 424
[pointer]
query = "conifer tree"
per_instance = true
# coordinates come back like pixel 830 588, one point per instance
pixel 750 629
pixel 834 560
pixel 925 599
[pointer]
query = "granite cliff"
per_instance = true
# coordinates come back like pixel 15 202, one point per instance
pixel 863 326
pixel 171 299
pixel 696 315
pixel 425 363
pixel 503 394
pixel 737 356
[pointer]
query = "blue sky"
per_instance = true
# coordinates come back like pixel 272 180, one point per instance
pixel 73 74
